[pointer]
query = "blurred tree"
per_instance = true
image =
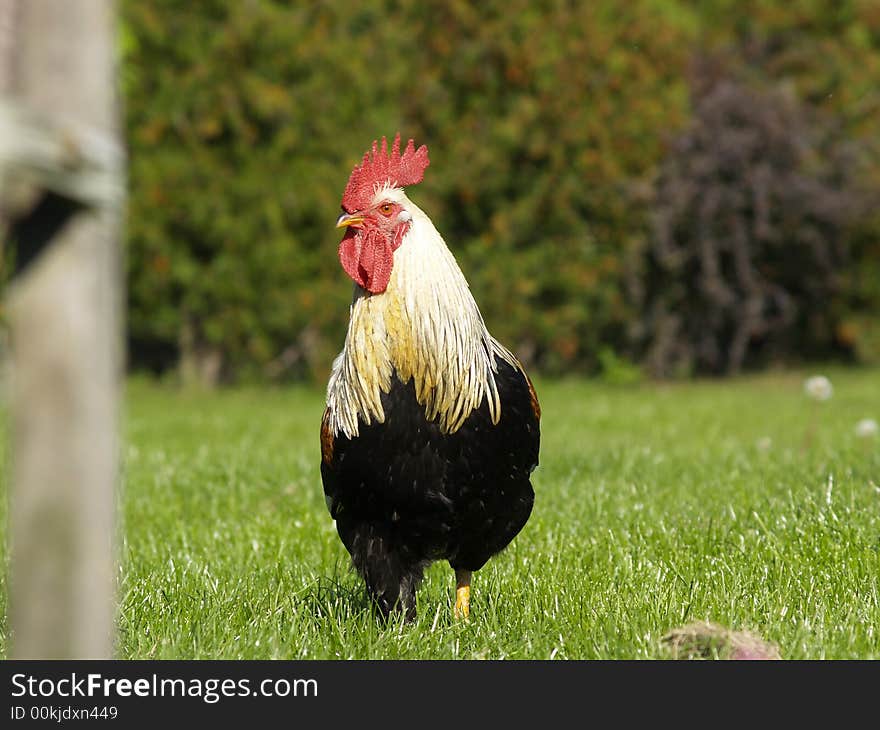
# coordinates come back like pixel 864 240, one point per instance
pixel 245 119
pixel 241 119
pixel 751 230
pixel 539 115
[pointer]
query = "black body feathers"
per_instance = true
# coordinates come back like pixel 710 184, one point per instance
pixel 405 494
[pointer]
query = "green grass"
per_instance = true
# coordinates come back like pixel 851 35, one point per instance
pixel 739 502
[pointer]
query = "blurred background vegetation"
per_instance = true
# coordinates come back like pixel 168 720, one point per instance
pixel 660 187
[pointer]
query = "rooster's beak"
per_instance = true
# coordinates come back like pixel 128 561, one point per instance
pixel 349 219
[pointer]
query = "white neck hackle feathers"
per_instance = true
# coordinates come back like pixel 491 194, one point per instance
pixel 425 326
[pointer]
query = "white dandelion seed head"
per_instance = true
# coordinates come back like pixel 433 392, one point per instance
pixel 765 443
pixel 867 428
pixel 818 387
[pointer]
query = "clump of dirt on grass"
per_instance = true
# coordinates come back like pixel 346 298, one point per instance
pixel 705 640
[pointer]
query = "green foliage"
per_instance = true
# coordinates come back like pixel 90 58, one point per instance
pixel 539 119
pixel 542 120
pixel 245 118
pixel 233 174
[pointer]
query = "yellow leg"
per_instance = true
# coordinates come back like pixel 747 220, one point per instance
pixel 462 593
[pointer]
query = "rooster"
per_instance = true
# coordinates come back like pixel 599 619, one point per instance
pixel 431 430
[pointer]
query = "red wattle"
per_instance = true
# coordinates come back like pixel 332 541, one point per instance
pixel 367 258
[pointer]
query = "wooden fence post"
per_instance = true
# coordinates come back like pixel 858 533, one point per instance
pixel 61 192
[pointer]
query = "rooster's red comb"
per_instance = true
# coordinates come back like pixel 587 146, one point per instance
pixel 380 169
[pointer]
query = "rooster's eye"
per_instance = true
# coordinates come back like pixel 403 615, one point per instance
pixel 386 208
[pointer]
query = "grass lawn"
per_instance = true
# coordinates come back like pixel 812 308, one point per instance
pixel 739 502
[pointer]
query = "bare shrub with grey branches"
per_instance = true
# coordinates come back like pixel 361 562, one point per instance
pixel 750 224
